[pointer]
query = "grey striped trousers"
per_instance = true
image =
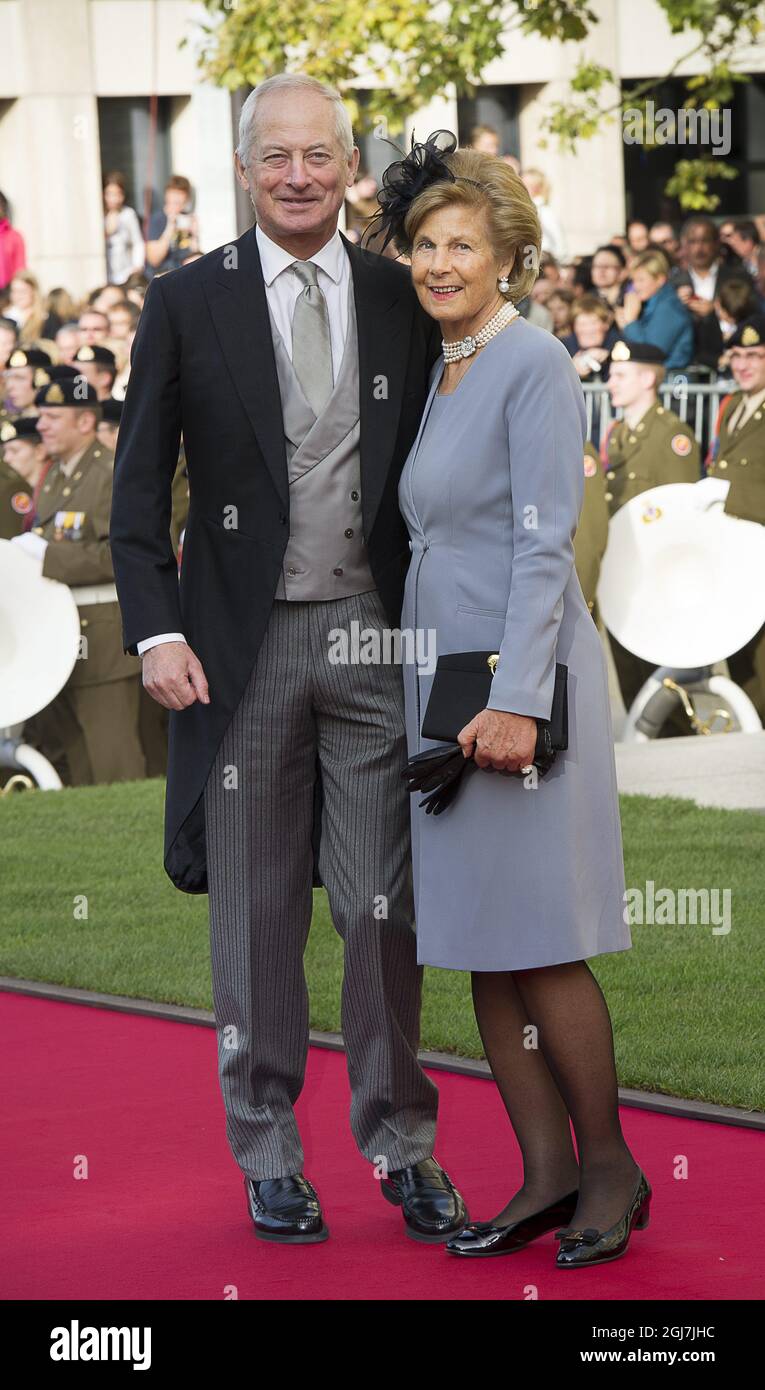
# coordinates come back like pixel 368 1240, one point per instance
pixel 258 811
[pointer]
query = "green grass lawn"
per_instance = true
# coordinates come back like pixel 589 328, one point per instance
pixel 687 1004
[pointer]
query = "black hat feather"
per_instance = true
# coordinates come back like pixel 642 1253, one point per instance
pixel 408 176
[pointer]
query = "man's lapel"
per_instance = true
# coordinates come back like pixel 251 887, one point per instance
pixel 237 298
pixel 383 320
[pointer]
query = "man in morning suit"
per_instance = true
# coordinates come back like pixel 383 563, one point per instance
pixel 296 366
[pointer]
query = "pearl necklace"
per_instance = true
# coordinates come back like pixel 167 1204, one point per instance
pixel 465 347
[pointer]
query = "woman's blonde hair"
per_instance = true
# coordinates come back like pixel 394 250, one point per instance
pixel 483 181
pixel 32 326
pixel 655 262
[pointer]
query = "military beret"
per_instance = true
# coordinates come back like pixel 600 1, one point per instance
pixel 102 355
pixel 74 391
pixel 750 333
pixel 111 410
pixel 637 352
pixel 63 372
pixel 25 427
pixel 29 357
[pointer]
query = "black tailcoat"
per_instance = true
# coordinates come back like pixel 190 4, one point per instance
pixel 203 366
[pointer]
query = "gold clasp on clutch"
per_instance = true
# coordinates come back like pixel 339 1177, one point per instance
pixel 491 662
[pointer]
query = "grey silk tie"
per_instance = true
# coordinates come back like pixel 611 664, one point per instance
pixel 311 342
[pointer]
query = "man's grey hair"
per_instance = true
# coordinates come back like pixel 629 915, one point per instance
pixel 299 84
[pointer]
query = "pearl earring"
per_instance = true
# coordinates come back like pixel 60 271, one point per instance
pixel 503 284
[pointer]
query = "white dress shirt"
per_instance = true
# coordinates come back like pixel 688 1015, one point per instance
pixel 282 290
pixel 704 284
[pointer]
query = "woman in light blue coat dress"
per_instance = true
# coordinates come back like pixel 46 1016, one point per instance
pixel 521 878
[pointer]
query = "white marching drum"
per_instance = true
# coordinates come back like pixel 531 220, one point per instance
pixel 39 642
pixel 682 585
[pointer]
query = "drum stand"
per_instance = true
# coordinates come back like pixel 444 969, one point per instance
pixel 669 687
pixel 30 769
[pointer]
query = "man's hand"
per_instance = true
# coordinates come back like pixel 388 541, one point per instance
pixel 173 676
pixel 630 308
pixel 702 307
pixel 500 740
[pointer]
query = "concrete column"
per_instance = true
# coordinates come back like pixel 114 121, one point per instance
pixel 49 146
pixel 588 186
pixel 203 149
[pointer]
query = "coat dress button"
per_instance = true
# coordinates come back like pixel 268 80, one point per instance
pixel 348 533
pixel 338 572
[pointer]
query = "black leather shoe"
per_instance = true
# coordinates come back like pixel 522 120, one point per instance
pixel 286 1210
pixel 484 1238
pixel 433 1208
pixel 591 1247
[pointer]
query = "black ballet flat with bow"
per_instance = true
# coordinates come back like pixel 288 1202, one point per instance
pixel 483 1238
pixel 592 1247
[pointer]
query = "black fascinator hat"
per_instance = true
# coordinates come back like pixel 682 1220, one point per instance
pixel 404 179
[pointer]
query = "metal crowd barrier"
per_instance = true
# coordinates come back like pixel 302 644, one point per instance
pixel 696 402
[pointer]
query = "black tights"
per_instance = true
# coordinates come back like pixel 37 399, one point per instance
pixel 548 1039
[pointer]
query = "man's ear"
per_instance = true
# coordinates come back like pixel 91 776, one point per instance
pixel 353 167
pixel 241 173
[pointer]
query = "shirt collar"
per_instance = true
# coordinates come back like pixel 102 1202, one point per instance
pixel 706 274
pixel 274 259
pixel 67 466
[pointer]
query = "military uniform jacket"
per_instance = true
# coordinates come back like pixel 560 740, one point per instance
pixel 738 455
pixel 73 517
pixel 659 449
pixel 15 501
pixel 591 536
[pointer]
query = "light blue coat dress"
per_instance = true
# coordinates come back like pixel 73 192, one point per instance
pixel 511 876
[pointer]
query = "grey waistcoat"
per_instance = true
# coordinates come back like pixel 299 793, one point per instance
pixel 326 556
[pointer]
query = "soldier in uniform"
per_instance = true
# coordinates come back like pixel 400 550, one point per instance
pixel 737 454
pixel 591 536
pixel 650 446
pixel 98 365
pixel 27 370
pixel 90 731
pixel 22 469
pixel 109 424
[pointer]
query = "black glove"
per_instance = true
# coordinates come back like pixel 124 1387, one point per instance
pixel 438 771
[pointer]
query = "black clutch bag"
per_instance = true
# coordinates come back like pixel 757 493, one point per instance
pixel 460 690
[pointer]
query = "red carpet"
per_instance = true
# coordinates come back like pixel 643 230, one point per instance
pixel 162 1214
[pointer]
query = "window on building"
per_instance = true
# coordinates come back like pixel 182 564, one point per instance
pixel 492 106
pixel 136 141
pixel 646 171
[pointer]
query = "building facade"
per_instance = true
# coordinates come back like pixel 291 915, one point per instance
pixel 92 85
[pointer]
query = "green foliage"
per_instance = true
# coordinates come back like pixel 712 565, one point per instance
pixel 690 182
pixel 399 44
pixel 409 51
